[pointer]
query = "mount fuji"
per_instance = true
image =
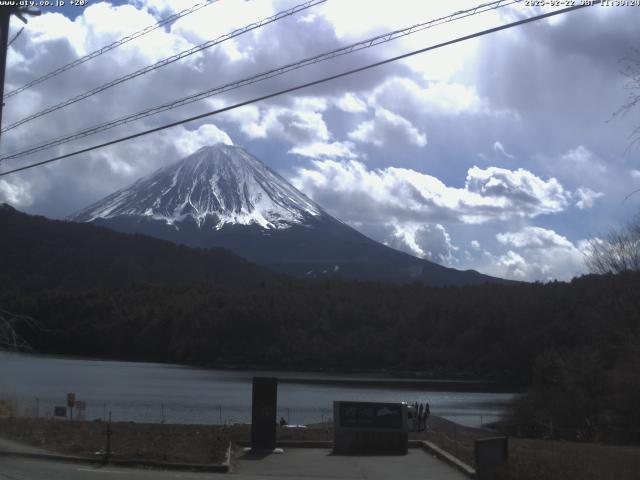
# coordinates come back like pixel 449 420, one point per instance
pixel 222 196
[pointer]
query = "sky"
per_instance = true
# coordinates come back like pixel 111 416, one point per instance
pixel 500 154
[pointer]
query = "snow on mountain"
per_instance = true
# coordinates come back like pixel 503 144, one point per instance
pixel 222 196
pixel 221 183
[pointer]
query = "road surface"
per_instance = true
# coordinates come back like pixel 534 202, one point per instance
pixel 294 463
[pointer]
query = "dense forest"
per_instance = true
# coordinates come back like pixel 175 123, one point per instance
pixel 577 345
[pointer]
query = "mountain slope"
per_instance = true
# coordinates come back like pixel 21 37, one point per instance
pixel 223 196
pixel 221 185
pixel 36 252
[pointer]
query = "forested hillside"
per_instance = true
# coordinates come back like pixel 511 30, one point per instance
pixel 128 297
pixel 37 253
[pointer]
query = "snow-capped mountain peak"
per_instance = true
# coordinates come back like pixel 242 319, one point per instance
pixel 221 183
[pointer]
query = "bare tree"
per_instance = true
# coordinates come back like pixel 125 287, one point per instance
pixel 618 252
pixel 10 339
pixel 630 69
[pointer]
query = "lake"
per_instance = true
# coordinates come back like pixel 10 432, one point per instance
pixel 153 392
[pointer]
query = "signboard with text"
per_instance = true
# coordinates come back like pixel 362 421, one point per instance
pixel 370 427
pixel 370 415
pixel 71 400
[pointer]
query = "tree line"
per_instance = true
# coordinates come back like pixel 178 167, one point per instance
pixel 91 292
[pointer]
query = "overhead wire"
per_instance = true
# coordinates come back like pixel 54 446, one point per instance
pixel 15 37
pixel 111 46
pixel 167 61
pixel 368 43
pixel 305 85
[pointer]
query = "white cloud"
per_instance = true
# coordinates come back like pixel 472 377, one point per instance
pixel 388 128
pixel 498 147
pixel 582 158
pixel 533 237
pixel 52 27
pixel 475 244
pixel 513 265
pixel 302 124
pixel 294 125
pixel 585 197
pixel 535 253
pixel 354 193
pixel 207 134
pixel 16 192
pixel 431 242
pixel 314 104
pixel 436 98
pixel 321 150
pixel 351 103
pixel 533 195
pixel 635 173
pixel 216 20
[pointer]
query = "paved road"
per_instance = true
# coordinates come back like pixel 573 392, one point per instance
pixel 10 446
pixel 14 468
pixel 317 464
pixel 320 464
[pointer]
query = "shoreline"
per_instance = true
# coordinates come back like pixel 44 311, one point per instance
pixel 401 379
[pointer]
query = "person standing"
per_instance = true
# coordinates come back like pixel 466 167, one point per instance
pixel 427 412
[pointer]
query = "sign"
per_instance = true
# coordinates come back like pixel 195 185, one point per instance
pixel 71 400
pixel 263 413
pixel 81 405
pixel 491 455
pixel 59 411
pixel 370 415
pixel 370 427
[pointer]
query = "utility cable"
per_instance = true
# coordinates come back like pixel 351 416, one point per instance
pixel 167 61
pixel 370 42
pixel 305 85
pixel 110 47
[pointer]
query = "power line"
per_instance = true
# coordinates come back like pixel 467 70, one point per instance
pixel 15 37
pixel 167 61
pixel 370 42
pixel 110 47
pixel 304 85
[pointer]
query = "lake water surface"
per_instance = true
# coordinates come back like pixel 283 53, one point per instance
pixel 151 392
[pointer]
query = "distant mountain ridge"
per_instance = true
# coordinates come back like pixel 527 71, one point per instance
pixel 36 253
pixel 222 196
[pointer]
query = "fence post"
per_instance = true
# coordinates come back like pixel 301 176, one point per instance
pixel 455 440
pixel 107 455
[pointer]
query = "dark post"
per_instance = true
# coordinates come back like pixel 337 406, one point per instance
pixel 107 453
pixel 5 17
pixel 263 413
